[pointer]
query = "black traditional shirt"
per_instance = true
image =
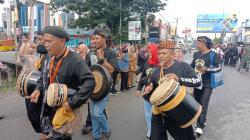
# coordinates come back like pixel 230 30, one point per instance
pixel 183 71
pixel 206 77
pixel 74 73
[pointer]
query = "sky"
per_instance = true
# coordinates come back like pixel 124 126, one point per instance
pixel 187 11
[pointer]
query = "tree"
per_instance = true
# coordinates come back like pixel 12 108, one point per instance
pixel 94 13
pixel 217 40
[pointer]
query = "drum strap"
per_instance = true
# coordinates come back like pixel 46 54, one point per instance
pixel 39 62
pixel 44 120
pixel 52 77
pixel 161 73
pixel 162 78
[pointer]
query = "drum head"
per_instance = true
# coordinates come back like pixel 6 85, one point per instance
pixel 163 91
pixel 103 82
pixel 57 94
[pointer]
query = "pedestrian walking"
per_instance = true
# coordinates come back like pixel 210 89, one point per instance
pixel 123 66
pixel 150 66
pixel 203 94
pixel 106 58
pixel 180 72
pixel 132 53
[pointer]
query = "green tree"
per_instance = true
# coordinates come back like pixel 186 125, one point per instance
pixel 217 40
pixel 93 13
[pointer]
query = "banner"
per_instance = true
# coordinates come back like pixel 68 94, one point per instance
pixel 216 23
pixel 134 30
pixel 154 34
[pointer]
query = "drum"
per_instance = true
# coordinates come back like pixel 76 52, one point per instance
pixel 56 94
pixel 170 99
pixel 103 82
pixel 27 81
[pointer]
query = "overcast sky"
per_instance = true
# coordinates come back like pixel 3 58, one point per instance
pixel 187 10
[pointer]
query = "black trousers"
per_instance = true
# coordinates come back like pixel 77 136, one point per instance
pixel 33 113
pixel 124 81
pixel 88 119
pixel 114 77
pixel 202 96
pixel 233 60
pixel 161 124
pixel 226 62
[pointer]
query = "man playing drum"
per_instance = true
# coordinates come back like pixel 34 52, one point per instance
pixel 203 94
pixel 107 58
pixel 182 73
pixel 68 68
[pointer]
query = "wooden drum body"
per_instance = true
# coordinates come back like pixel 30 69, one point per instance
pixel 103 82
pixel 170 98
pixel 27 81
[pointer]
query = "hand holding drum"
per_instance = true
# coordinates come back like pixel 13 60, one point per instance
pixel 201 69
pixel 200 66
pixel 148 89
pixel 35 96
pixel 100 53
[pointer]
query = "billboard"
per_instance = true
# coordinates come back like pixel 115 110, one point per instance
pixel 216 23
pixel 134 30
pixel 154 34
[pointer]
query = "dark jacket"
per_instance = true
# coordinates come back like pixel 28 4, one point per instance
pixel 76 75
pixel 144 80
pixel 206 77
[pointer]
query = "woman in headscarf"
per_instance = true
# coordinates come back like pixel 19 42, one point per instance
pixel 152 63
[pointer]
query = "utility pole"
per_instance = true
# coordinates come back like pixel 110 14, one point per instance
pixel 31 23
pixel 177 21
pixel 223 34
pixel 14 11
pixel 146 29
pixel 120 27
pixel 146 21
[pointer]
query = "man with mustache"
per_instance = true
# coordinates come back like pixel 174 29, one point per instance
pixel 180 72
pixel 65 67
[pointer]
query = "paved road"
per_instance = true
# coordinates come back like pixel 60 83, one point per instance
pixel 228 116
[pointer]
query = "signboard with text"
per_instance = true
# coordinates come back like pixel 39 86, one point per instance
pixel 216 23
pixel 134 30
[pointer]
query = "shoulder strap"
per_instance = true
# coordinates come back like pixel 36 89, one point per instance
pixel 212 58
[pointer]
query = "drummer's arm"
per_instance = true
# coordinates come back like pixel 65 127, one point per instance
pixel 189 77
pixel 108 66
pixel 86 88
pixel 109 63
pixel 142 80
pixel 152 82
pixel 39 85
